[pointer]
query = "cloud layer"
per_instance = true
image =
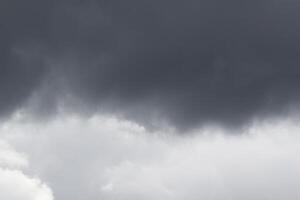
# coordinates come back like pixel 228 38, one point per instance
pixel 187 62
pixel 106 158
pixel 94 93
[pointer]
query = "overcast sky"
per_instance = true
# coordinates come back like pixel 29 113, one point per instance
pixel 149 99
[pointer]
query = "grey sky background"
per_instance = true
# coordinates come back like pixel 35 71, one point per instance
pixel 189 63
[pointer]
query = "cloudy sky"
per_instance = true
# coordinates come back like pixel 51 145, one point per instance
pixel 149 100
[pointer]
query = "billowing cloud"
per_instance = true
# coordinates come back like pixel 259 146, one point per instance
pixel 183 62
pixel 14 183
pixel 106 158
pixel 94 93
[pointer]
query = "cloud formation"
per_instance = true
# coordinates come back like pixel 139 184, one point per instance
pixel 14 184
pixel 106 158
pixel 103 73
pixel 187 63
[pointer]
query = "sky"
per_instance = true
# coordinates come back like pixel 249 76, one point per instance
pixel 149 100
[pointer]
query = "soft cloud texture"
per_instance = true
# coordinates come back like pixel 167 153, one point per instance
pixel 14 183
pixel 106 158
pixel 94 93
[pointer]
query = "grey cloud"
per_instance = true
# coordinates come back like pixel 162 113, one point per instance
pixel 107 158
pixel 188 62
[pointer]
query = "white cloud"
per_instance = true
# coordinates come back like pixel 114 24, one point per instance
pixel 14 184
pixel 110 159
pixel 10 158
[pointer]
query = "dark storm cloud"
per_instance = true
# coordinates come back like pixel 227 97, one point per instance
pixel 189 61
pixel 20 70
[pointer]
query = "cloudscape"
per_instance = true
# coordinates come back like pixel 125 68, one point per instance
pixel 151 100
